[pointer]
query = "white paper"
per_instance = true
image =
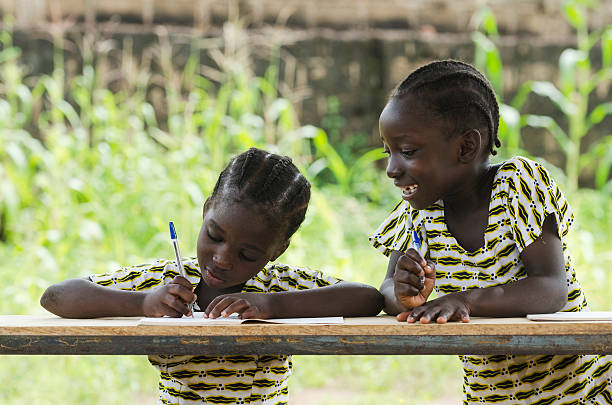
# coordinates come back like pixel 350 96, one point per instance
pixel 572 316
pixel 198 319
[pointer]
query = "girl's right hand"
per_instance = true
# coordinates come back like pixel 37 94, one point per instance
pixel 170 300
pixel 414 279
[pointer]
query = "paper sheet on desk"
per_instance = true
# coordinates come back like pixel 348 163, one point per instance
pixel 572 316
pixel 199 320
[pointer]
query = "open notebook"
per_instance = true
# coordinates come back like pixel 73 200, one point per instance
pixel 572 316
pixel 198 320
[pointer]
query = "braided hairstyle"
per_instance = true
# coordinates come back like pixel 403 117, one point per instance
pixel 458 93
pixel 270 181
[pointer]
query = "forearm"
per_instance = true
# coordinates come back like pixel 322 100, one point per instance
pixel 342 299
pixel 392 306
pixel 80 298
pixel 525 296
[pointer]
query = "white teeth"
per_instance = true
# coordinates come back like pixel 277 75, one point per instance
pixel 411 189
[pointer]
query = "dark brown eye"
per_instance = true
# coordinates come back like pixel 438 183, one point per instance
pixel 408 153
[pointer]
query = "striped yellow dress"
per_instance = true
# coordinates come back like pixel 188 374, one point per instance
pixel 209 379
pixel 523 195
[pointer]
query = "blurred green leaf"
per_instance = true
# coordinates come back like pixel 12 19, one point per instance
pixel 606 48
pixel 574 13
pixel 546 122
pixel 568 62
pixel 488 59
pixel 547 89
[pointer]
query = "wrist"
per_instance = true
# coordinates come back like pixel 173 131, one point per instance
pixel 273 305
pixel 137 305
pixel 393 305
pixel 469 298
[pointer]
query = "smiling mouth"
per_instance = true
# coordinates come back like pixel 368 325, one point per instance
pixel 409 191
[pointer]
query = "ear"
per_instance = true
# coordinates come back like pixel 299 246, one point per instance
pixel 470 145
pixel 281 249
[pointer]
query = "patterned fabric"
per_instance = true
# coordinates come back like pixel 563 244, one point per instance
pixel 523 195
pixel 219 379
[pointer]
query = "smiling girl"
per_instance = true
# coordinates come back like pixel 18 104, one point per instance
pixel 493 236
pixel 258 203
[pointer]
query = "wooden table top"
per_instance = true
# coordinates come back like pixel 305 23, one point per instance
pixel 47 334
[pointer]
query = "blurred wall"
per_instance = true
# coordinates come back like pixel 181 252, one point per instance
pixel 355 50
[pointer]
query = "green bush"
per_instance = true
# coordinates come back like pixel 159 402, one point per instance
pixel 92 167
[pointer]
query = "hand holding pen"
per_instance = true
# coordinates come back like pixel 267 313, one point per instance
pixel 414 277
pixel 179 261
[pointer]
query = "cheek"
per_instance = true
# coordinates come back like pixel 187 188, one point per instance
pixel 202 246
pixel 250 270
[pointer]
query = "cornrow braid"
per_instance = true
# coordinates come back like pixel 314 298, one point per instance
pixel 459 93
pixel 270 181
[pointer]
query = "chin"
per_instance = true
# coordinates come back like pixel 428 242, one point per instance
pixel 419 205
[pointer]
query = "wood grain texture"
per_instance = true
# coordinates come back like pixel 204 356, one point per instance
pixel 27 334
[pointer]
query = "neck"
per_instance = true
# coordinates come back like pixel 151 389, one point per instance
pixel 472 193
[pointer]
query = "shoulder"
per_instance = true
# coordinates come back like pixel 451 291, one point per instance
pixel 146 275
pixel 277 277
pixel 529 170
pixel 279 270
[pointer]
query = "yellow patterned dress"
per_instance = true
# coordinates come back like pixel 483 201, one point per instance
pixel 523 195
pixel 207 379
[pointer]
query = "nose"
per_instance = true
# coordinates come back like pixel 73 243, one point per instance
pixel 221 258
pixel 393 169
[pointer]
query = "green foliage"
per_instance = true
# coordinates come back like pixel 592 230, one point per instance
pixel 92 167
pixel 578 79
pixel 488 60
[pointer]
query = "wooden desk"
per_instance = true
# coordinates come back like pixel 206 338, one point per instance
pixel 25 334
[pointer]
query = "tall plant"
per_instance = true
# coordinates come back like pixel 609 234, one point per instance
pixel 488 60
pixel 578 80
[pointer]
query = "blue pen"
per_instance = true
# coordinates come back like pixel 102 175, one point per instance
pixel 417 245
pixel 177 252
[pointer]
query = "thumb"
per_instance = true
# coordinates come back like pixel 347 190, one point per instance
pixel 430 270
pixel 430 279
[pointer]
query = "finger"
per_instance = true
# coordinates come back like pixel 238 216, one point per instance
pixel 212 304
pixel 405 290
pixel 428 315
pixel 416 256
pixel 444 316
pixel 405 277
pixel 238 306
pixel 415 314
pixel 180 291
pixel 225 302
pixel 168 311
pixel 409 264
pixel 176 304
pixel 462 315
pixel 403 316
pixel 430 270
pixel 182 281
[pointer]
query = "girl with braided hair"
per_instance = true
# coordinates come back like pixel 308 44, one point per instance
pixel 258 203
pixel 490 238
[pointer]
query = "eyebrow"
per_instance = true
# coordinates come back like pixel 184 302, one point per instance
pixel 218 228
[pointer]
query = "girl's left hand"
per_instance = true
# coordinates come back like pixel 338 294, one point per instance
pixel 451 307
pixel 247 305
